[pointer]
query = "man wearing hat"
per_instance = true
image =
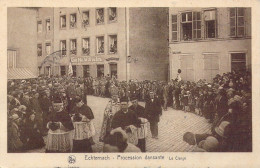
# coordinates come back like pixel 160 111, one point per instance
pixel 85 111
pixel 142 116
pixel 154 111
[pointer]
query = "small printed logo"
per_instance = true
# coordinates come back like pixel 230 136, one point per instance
pixel 71 159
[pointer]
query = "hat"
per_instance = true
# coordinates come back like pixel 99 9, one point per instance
pixel 14 111
pixel 210 144
pixel 220 130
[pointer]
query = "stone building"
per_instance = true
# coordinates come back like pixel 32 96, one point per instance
pixel 209 41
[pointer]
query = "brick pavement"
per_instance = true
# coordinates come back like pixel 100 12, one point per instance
pixel 173 124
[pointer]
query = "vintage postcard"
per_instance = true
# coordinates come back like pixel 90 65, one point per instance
pixel 130 84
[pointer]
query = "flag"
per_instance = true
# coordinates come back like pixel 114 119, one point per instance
pixel 70 72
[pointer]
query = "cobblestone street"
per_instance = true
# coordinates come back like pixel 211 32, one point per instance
pixel 173 124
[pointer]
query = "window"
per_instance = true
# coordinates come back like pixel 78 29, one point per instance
pixel 174 28
pixel 86 71
pixel 186 24
pixel 238 61
pixel 113 44
pixel 85 46
pixel 100 16
pixel 211 66
pixel 62 70
pixel 100 45
pixel 63 21
pixel 74 69
pixel 47 70
pixel 187 68
pixel 196 25
pixel 237 22
pixel 73 46
pixel 39 50
pixel 85 17
pixel 48 25
pixel 112 14
pixel 39 26
pixel 113 70
pixel 63 47
pixel 12 58
pixel 100 71
pixel 73 20
pixel 48 48
pixel 210 23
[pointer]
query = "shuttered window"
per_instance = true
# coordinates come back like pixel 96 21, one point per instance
pixel 211 66
pixel 187 73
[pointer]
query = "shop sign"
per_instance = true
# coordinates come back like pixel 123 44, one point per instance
pixel 85 59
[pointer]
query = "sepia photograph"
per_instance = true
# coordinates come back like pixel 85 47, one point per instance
pixel 129 79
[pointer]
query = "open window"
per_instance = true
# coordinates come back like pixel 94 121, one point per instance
pixel 48 48
pixel 113 44
pixel 48 25
pixel 210 23
pixel 63 47
pixel 73 20
pixel 85 18
pixel 63 21
pixel 73 46
pixel 39 50
pixel 186 26
pixel 85 46
pixel 100 45
pixel 100 16
pixel 112 14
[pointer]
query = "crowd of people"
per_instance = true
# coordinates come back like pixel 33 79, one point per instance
pixel 35 107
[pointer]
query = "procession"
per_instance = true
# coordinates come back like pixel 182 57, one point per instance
pixel 123 79
pixel 57 107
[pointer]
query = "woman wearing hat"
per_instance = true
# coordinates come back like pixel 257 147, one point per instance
pixel 14 142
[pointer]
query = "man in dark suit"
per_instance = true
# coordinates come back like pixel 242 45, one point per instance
pixel 154 111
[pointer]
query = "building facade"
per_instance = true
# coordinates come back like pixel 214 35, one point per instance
pixel 21 40
pixel 205 42
pixel 129 43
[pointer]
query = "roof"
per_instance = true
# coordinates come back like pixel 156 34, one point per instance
pixel 19 73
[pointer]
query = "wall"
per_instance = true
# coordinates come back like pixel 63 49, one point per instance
pixel 92 31
pixel 221 46
pixel 21 29
pixel 148 43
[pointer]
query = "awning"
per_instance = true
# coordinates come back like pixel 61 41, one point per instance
pixel 20 73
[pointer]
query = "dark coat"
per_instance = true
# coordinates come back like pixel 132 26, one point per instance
pixel 139 111
pixel 153 109
pixel 123 120
pixel 64 118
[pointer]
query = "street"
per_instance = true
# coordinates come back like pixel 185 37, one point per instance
pixel 173 124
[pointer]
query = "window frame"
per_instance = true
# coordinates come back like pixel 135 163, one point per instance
pixel 83 24
pixel 185 22
pixel 76 52
pixel 46 29
pixel 41 51
pixel 97 15
pixel 236 22
pixel 109 36
pixel 61 70
pixel 62 28
pixel 65 48
pixel 88 45
pixel 205 23
pixel 76 20
pixel 112 21
pixel 38 26
pixel 177 30
pixel 97 44
pixel 48 42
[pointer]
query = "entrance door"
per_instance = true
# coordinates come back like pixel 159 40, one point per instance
pixel 238 62
pixel 113 70
pixel 100 71
pixel 86 71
